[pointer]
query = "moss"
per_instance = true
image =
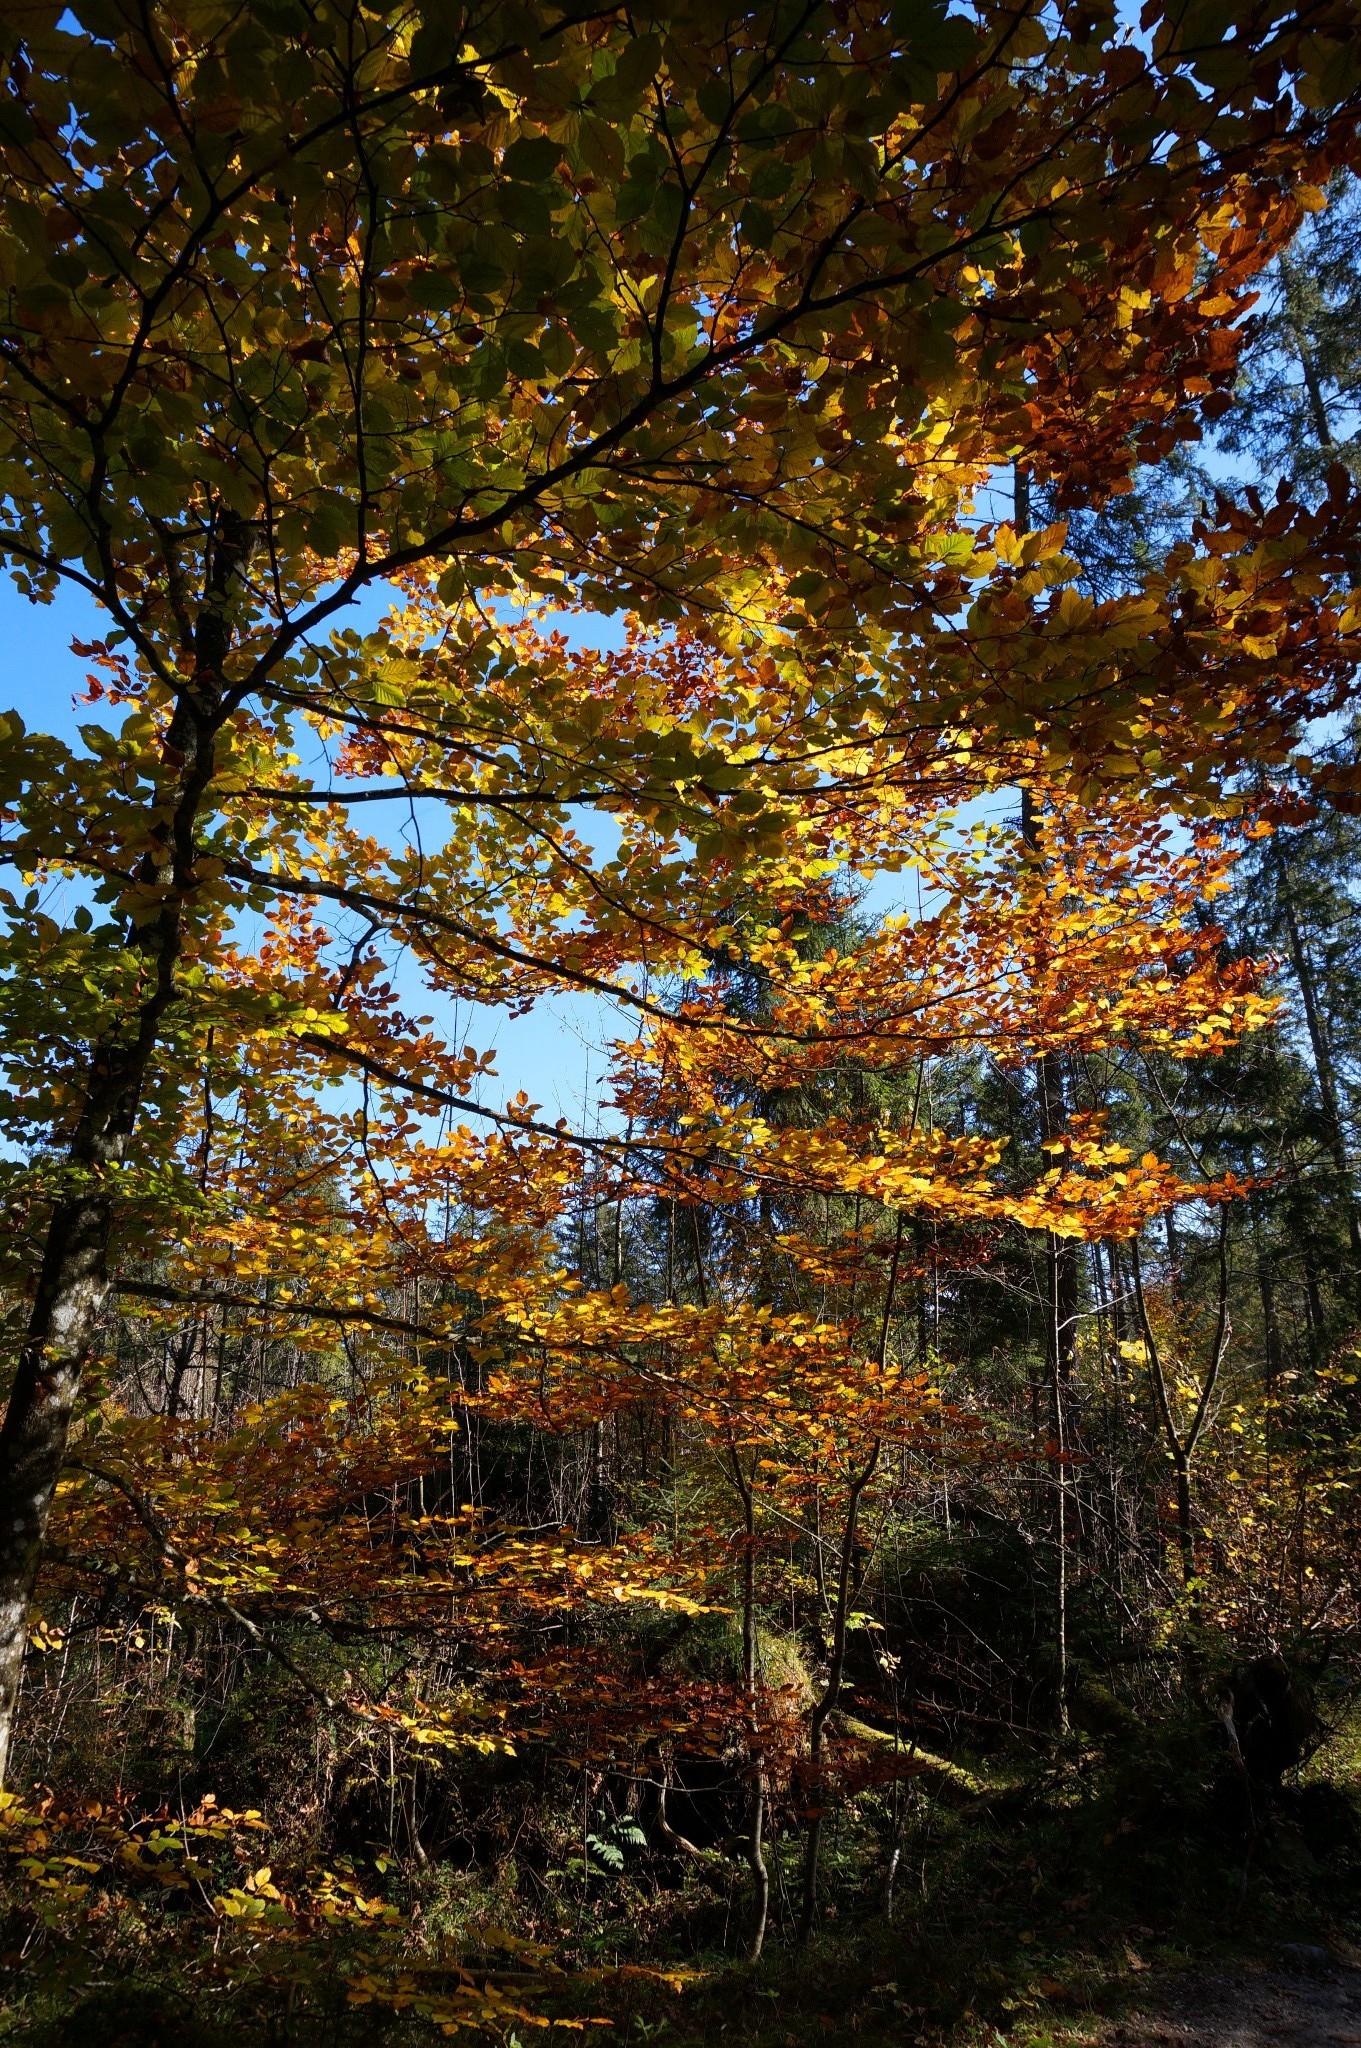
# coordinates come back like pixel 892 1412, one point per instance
pixel 1337 1760
pixel 712 1648
pixel 937 1768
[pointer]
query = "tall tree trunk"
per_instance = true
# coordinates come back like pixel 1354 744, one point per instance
pixel 848 1586
pixel 73 1278
pixel 1266 1288
pixel 1325 1070
pixel 1120 1316
pixel 850 1578
pixel 1297 319
pixel 756 1819
pixel 1060 1334
pixel 1182 1444
pixel 1059 1382
pixel 1313 384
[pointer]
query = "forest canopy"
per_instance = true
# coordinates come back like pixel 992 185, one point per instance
pixel 832 531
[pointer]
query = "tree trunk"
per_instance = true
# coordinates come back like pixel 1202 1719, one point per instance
pixel 1186 1533
pixel 1182 1445
pixel 756 1821
pixel 1324 1069
pixel 73 1280
pixel 1060 1378
pixel 1060 1334
pixel 848 1586
pixel 1266 1287
pixel 71 1291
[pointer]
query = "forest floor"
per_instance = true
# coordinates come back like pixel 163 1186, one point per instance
pixel 1247 2007
pixel 1306 1998
pixel 1106 1901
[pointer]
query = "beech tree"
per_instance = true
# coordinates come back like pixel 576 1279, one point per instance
pixel 721 319
pixel 792 1363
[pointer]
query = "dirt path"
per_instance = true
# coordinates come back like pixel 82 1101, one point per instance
pixel 1247 2008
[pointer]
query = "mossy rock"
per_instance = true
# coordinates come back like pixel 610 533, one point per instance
pixel 712 1648
pixel 1097 1710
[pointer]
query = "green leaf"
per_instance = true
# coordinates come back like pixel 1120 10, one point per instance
pixel 637 66
pixel 531 158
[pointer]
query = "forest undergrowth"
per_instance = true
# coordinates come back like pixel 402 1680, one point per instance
pixel 1058 1886
pixel 217 1857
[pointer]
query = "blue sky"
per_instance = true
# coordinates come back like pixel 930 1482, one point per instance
pixel 556 1054
pixel 559 1053
pixel 39 675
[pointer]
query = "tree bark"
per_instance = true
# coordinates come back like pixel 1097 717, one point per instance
pixel 73 1280
pixel 848 1586
pixel 1182 1445
pixel 1325 1070
pixel 1060 1333
pixel 760 1872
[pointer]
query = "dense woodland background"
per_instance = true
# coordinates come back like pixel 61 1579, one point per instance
pixel 1072 1684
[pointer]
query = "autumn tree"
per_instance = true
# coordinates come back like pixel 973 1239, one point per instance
pixel 779 1112
pixel 721 318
